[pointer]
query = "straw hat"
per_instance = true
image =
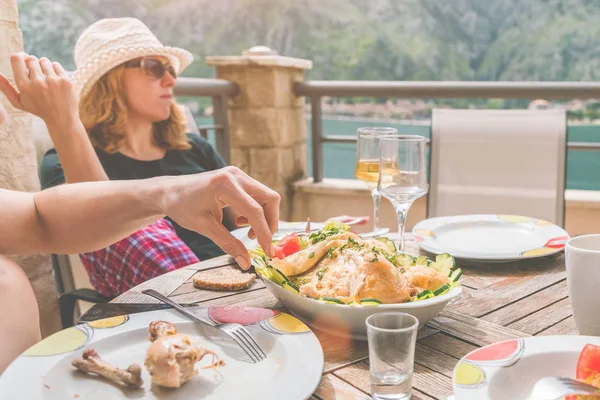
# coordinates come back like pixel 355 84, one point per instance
pixel 110 42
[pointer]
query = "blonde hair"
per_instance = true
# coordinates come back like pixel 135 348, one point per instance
pixel 103 111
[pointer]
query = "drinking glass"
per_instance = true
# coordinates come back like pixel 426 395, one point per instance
pixel 392 339
pixel 367 163
pixel 402 174
pixel 582 258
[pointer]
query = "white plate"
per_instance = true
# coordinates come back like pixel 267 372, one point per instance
pixel 490 237
pixel 284 228
pixel 292 369
pixel 349 321
pixel 509 370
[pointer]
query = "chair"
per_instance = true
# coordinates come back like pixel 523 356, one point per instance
pixel 71 278
pixel 498 162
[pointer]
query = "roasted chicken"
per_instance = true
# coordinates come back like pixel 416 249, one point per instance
pixel 172 356
pixel 161 328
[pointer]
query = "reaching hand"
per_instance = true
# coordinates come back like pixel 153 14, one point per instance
pixel 196 202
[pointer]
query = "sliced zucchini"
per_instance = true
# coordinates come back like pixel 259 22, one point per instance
pixel 352 303
pixel 389 243
pixel 422 260
pixel 455 275
pixel 291 287
pixel 442 290
pixel 257 263
pixel 258 252
pixel 277 276
pixel 405 260
pixel 444 264
pixel 425 294
pixel 262 271
pixel 332 300
pixel 369 302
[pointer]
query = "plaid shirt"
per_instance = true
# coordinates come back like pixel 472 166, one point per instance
pixel 146 254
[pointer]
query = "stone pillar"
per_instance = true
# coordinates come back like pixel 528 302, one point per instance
pixel 267 125
pixel 18 169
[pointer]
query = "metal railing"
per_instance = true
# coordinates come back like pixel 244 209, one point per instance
pixel 316 90
pixel 219 90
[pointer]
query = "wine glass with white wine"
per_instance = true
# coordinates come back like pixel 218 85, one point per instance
pixel 367 163
pixel 402 174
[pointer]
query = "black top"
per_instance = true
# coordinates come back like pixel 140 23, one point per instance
pixel 200 158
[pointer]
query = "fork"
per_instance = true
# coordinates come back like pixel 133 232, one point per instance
pixel 237 332
pixel 308 231
pixel 553 388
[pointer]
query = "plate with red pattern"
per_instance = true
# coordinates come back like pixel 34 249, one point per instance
pixel 490 237
pixel 509 370
pixel 292 369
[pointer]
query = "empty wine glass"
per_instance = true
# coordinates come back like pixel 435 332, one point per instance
pixel 367 163
pixel 402 174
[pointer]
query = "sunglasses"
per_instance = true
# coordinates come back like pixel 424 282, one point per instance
pixel 155 69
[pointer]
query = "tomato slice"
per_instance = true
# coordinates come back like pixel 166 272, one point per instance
pixel 278 253
pixel 588 366
pixel 288 246
pixel 588 369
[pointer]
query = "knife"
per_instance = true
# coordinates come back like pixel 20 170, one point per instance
pixel 107 310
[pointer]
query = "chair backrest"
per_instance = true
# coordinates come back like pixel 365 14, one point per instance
pixel 191 125
pixel 498 162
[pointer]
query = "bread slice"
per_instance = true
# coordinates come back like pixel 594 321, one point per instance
pixel 224 279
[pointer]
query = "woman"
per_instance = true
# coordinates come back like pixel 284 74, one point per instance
pixel 124 81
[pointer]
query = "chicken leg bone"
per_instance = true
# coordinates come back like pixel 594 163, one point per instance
pixel 91 363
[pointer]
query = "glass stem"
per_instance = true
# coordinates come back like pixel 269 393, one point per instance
pixel 376 200
pixel 401 211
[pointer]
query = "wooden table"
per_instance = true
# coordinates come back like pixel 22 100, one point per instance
pixel 499 302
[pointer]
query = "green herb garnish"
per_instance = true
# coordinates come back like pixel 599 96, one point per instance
pixel 311 255
pixel 354 244
pixel 324 234
pixel 330 253
pixel 321 272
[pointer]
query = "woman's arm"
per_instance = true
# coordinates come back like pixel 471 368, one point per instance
pixel 88 216
pixel 44 89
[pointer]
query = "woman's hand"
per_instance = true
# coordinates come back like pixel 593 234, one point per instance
pixel 43 89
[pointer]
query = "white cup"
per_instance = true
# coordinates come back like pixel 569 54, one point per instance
pixel 582 255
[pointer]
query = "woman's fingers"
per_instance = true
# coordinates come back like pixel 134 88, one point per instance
pixel 216 232
pixel 47 67
pixel 19 68
pixel 12 94
pixel 2 114
pixel 33 65
pixel 244 204
pixel 268 199
pixel 59 70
